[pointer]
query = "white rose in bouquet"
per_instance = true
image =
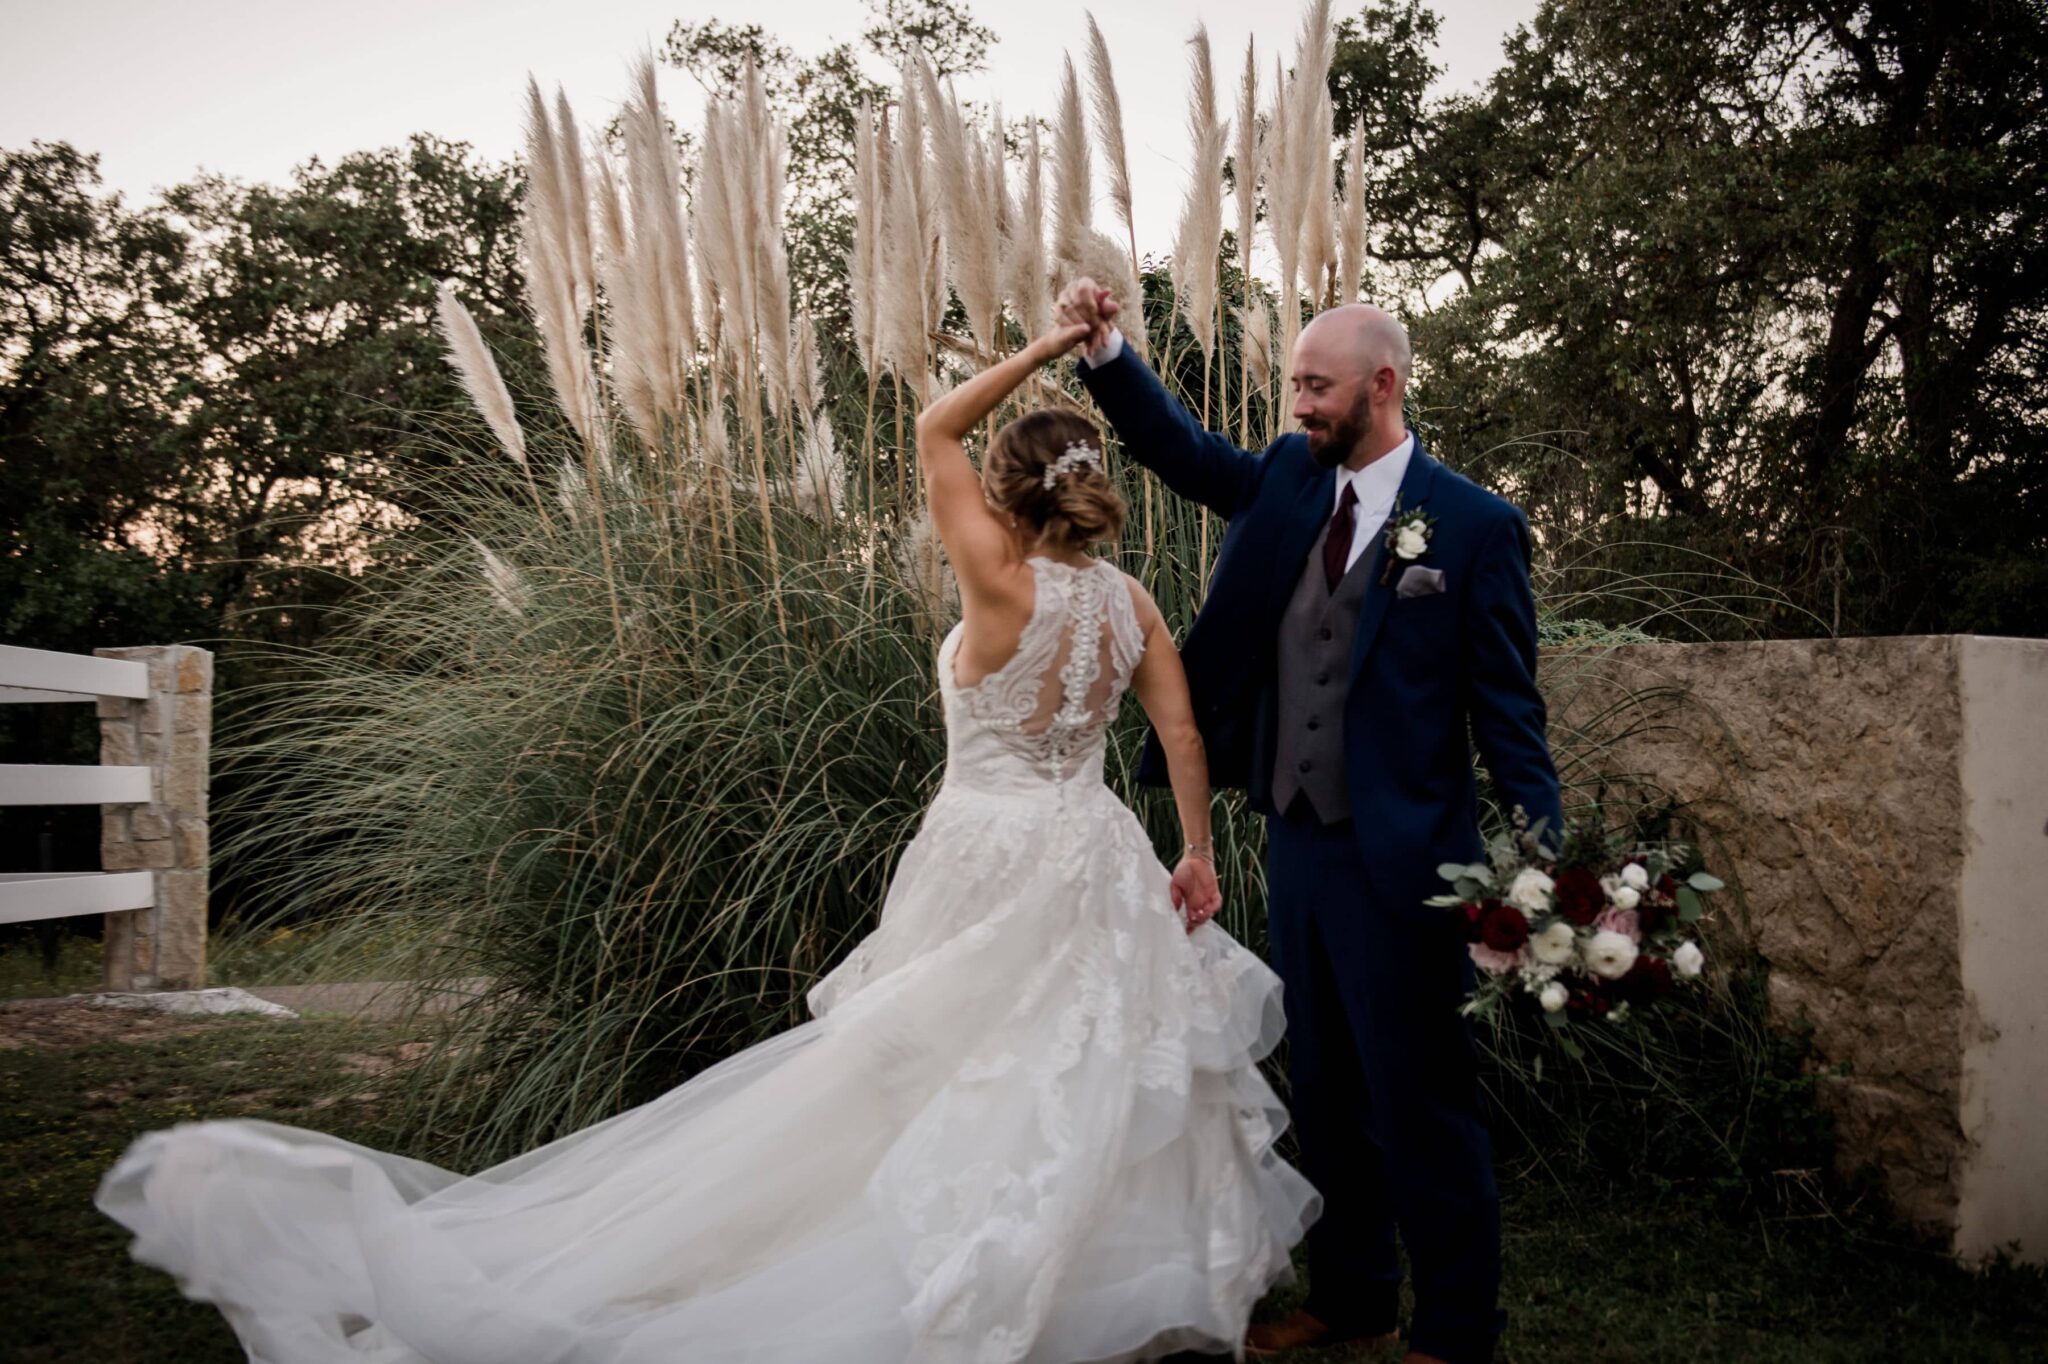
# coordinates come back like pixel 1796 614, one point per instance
pixel 1553 997
pixel 1625 896
pixel 1636 877
pixel 1530 891
pixel 1555 944
pixel 1409 543
pixel 1688 959
pixel 1610 954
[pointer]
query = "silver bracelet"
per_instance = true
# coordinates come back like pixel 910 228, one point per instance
pixel 1203 851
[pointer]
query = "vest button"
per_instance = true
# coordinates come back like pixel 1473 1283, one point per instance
pixel 1323 633
pixel 1322 679
pixel 1314 723
pixel 1304 765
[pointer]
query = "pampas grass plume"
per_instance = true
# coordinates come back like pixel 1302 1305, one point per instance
pixel 479 372
pixel 1072 197
pixel 1201 221
pixel 1026 278
pixel 1351 240
pixel 1109 123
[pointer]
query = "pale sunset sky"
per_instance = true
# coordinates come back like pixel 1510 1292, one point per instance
pixel 249 88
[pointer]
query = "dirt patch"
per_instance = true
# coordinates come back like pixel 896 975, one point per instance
pixel 60 1023
pixel 379 1062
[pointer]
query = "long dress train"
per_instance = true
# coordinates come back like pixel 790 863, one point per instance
pixel 1024 1122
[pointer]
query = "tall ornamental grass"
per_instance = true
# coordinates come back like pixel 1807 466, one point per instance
pixel 638 732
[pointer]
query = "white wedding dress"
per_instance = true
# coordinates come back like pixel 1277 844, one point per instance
pixel 1024 1123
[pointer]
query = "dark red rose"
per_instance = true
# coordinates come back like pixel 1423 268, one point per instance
pixel 1470 916
pixel 1578 895
pixel 1666 888
pixel 1647 982
pixel 1588 1002
pixel 1503 928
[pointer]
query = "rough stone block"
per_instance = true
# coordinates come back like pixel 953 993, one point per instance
pixel 153 716
pixel 119 854
pixel 181 929
pixel 185 773
pixel 190 837
pixel 193 715
pixel 1879 806
pixel 117 961
pixel 143 954
pixel 158 854
pixel 118 746
pixel 149 821
pixel 194 668
pixel 113 707
pixel 181 941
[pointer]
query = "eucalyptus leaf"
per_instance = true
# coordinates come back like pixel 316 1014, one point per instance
pixel 1700 880
pixel 1689 906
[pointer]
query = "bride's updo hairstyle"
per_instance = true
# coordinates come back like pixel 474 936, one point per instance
pixel 1081 506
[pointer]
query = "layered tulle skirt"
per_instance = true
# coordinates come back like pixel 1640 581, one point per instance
pixel 1025 1123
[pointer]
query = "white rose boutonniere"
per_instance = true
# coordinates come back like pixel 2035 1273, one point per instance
pixel 1407 538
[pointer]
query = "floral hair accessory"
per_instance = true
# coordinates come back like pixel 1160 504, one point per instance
pixel 1079 452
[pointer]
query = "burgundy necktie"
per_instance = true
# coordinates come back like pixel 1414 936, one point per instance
pixel 1337 544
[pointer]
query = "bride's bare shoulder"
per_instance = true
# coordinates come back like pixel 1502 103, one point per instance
pixel 1141 602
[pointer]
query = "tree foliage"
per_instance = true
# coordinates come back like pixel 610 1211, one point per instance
pixel 1759 278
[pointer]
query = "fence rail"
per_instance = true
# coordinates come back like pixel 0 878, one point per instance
pixel 155 708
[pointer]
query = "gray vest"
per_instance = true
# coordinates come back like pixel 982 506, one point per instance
pixel 1316 634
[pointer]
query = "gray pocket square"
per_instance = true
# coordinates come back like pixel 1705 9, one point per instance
pixel 1418 581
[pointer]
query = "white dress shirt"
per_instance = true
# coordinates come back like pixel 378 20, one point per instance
pixel 1379 482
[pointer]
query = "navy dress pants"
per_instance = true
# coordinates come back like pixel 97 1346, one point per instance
pixel 1386 1101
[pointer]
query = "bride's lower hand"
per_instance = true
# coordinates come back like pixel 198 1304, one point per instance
pixel 1195 892
pixel 1059 339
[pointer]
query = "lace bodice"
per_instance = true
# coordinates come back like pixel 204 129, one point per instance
pixel 1041 717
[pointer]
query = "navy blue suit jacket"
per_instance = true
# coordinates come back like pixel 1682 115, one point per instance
pixel 1430 675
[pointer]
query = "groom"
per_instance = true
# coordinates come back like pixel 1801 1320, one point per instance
pixel 1369 620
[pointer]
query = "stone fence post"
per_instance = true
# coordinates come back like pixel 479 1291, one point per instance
pixel 170 732
pixel 1881 808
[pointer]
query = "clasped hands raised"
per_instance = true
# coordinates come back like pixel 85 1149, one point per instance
pixel 1084 314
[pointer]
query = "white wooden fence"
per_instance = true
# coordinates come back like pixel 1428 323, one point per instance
pixel 155 712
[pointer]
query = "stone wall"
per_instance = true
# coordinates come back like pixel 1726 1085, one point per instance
pixel 1832 782
pixel 170 731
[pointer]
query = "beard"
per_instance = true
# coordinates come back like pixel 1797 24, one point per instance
pixel 1332 444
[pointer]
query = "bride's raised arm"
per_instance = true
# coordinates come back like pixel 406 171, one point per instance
pixel 977 538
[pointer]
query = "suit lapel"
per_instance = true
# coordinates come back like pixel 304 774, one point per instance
pixel 1306 517
pixel 1415 487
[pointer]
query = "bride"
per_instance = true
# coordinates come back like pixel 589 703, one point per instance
pixel 1024 1122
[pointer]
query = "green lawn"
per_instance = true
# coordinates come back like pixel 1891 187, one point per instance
pixel 1595 1272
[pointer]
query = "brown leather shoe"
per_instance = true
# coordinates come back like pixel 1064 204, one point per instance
pixel 1305 1331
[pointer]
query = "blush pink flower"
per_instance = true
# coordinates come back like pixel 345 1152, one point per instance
pixel 1492 960
pixel 1623 921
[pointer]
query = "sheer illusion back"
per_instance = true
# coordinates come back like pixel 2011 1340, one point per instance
pixel 1043 714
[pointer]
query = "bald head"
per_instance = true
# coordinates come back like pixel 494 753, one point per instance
pixel 1351 368
pixel 1358 337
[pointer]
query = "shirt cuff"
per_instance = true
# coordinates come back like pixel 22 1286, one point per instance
pixel 1106 352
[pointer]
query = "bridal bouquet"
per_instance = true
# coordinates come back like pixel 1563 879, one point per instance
pixel 1598 933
